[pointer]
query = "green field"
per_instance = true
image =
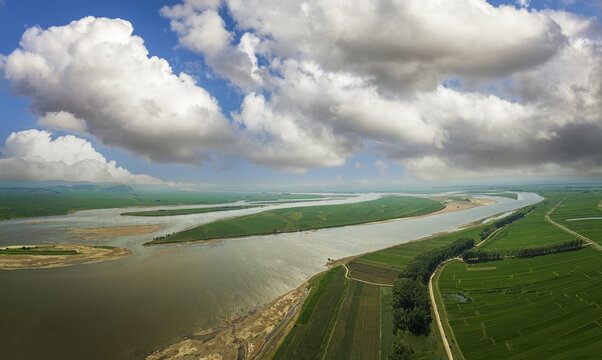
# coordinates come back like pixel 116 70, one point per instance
pixel 384 266
pixel 176 212
pixel 309 337
pixel 24 202
pixel 581 204
pixel 505 194
pixel 531 230
pixel 37 250
pixel 307 218
pixel 541 307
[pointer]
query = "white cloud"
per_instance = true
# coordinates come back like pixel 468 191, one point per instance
pixel 33 155
pixel 523 3
pixel 93 75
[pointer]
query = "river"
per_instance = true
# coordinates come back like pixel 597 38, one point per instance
pixel 128 308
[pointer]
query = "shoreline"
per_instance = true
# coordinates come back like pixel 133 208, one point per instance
pixel 86 255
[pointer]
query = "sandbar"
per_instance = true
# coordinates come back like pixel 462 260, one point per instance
pixel 86 255
pixel 118 230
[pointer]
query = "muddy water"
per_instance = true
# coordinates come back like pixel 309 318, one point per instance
pixel 127 308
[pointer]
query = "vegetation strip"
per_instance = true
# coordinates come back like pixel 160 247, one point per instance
pixel 176 212
pixel 306 218
pixel 547 217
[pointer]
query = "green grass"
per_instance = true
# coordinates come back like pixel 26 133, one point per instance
pixel 357 332
pixel 103 247
pixel 384 266
pixel 507 195
pixel 541 307
pixel 186 211
pixel 37 250
pixel 309 336
pixel 581 204
pixel 531 230
pixel 386 322
pixel 306 218
pixel 24 202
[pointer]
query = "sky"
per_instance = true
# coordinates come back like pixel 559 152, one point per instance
pixel 273 93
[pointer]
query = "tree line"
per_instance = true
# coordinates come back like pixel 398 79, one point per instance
pixel 411 303
pixel 479 255
pixel 488 230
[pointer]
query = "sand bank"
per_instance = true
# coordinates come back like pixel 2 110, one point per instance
pixel 118 230
pixel 86 255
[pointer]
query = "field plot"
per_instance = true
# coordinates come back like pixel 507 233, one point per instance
pixel 357 333
pixel 581 205
pixel 309 337
pixel 384 266
pixel 531 230
pixel 545 307
pixel 306 218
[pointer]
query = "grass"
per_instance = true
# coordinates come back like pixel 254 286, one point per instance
pixel 384 266
pixel 309 336
pixel 357 332
pixel 37 250
pixel 506 194
pixel 104 247
pixel 186 211
pixel 531 230
pixel 581 204
pixel 306 218
pixel 541 307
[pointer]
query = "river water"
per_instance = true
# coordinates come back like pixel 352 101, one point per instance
pixel 128 308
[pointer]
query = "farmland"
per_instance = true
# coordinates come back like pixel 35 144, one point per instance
pixel 545 306
pixel 307 218
pixel 176 212
pixel 531 230
pixel 384 266
pixel 584 204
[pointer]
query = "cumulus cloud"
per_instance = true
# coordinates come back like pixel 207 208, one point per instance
pixel 94 76
pixel 324 80
pixel 34 155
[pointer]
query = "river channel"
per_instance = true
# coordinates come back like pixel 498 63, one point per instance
pixel 128 308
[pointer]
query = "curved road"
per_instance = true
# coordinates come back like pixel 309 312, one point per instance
pixel 547 217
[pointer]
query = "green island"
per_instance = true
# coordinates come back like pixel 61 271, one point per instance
pixel 36 250
pixel 176 212
pixel 306 218
pixel 541 300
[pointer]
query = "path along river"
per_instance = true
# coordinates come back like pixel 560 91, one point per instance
pixel 128 308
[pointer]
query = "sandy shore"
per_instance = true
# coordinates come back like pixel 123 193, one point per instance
pixel 250 336
pixel 86 255
pixel 450 206
pixel 118 230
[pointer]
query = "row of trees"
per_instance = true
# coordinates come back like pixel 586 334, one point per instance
pixel 411 303
pixel 425 264
pixel 487 230
pixel 478 255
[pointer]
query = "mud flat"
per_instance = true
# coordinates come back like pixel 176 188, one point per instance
pixel 118 230
pixel 84 255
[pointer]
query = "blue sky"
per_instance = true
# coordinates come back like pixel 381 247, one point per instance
pixel 361 152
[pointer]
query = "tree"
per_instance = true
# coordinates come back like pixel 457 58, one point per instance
pixel 401 350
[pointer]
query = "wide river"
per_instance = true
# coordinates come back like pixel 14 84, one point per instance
pixel 128 308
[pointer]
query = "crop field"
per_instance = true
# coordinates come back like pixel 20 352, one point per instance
pixel 544 307
pixel 176 212
pixel 383 266
pixel 306 218
pixel 386 321
pixel 531 230
pixel 309 337
pixel 578 205
pixel 357 333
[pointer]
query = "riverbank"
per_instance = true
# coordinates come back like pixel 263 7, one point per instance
pixel 249 336
pixel 84 255
pixel 118 230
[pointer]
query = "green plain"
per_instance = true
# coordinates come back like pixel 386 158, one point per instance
pixel 524 308
pixel 307 218
pixel 36 250
pixel 583 204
